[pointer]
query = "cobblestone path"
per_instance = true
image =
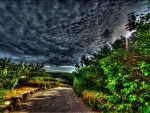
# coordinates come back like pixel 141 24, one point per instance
pixel 55 100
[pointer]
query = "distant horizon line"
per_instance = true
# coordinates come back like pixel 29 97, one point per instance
pixel 60 71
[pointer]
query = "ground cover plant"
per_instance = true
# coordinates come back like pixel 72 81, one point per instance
pixel 16 92
pixel 115 79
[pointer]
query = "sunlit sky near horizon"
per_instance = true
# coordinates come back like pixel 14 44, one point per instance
pixel 59 32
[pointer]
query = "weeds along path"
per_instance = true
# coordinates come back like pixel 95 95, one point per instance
pixel 55 100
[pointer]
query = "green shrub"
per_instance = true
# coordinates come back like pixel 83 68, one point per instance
pixel 77 86
pixel 57 83
pixel 42 84
pixel 2 92
pixel 128 80
pixel 68 77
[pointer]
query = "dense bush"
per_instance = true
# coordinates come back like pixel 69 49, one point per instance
pixel 43 78
pixel 88 78
pixel 120 79
pixel 128 80
pixel 68 77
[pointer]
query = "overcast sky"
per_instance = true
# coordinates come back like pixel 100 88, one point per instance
pixel 59 32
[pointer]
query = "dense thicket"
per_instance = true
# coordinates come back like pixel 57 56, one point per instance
pixel 120 77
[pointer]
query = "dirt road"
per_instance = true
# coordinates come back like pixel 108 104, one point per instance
pixel 55 100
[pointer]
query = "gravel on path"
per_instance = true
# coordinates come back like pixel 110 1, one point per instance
pixel 55 100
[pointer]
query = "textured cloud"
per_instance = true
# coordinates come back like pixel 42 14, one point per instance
pixel 58 32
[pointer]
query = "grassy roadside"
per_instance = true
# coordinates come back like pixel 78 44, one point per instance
pixel 36 82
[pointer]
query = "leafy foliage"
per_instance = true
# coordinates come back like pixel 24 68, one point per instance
pixel 12 74
pixel 122 76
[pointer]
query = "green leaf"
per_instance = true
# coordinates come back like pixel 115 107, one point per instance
pixel 132 98
pixel 141 99
pixel 126 84
pixel 146 73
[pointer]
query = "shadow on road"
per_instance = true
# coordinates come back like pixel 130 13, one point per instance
pixel 55 100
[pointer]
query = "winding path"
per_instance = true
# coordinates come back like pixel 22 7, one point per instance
pixel 55 100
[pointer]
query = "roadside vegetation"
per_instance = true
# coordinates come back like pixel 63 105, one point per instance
pixel 115 79
pixel 18 78
pixel 16 75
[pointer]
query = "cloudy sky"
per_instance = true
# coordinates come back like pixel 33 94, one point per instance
pixel 59 32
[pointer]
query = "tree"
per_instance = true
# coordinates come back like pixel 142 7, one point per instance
pixel 119 43
pixel 85 61
pixel 77 67
pixel 142 28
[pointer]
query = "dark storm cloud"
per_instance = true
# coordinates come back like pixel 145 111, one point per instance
pixel 58 32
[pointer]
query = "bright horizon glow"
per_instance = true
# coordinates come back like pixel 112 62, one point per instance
pixel 59 71
pixel 67 66
pixel 129 34
pixel 66 69
pixel 121 31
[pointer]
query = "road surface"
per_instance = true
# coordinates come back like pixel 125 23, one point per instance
pixel 55 100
